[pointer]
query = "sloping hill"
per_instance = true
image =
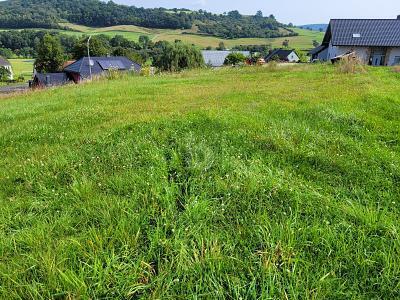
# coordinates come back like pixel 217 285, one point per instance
pixel 48 13
pixel 302 40
pixel 279 186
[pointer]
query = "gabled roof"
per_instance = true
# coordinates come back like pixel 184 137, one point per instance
pixel 100 64
pixel 217 58
pixel 51 79
pixel 281 53
pixel 317 50
pixel 363 32
pixel 4 62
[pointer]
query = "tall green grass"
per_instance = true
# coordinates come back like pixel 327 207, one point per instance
pixel 250 183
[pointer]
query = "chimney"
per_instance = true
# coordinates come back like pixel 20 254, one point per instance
pixel 398 17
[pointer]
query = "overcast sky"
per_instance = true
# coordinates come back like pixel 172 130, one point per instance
pixel 299 12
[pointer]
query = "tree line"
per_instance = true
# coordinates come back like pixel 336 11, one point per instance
pixel 166 56
pixel 50 13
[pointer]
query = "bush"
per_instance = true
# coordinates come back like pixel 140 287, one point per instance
pixel 234 58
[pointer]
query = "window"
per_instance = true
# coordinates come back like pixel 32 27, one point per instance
pixel 397 60
pixel 356 35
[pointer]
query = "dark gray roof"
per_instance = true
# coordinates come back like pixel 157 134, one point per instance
pixel 216 58
pixel 101 64
pixel 51 79
pixel 318 49
pixel 364 32
pixel 4 62
pixel 281 53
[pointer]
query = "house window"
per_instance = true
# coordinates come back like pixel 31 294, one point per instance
pixel 397 60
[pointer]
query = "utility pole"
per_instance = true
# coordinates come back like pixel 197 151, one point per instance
pixel 88 52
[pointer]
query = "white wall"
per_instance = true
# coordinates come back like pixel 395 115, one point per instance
pixel 292 57
pixel 393 53
pixel 361 52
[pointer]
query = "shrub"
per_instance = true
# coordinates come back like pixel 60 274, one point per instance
pixel 350 65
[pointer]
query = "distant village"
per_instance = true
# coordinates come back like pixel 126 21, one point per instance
pixel 374 42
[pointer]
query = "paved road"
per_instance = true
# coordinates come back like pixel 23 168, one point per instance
pixel 8 89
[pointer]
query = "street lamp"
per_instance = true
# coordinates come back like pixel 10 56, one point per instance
pixel 88 52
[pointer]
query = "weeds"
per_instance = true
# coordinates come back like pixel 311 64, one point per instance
pixel 227 184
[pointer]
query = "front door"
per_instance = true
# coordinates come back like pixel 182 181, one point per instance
pixel 377 60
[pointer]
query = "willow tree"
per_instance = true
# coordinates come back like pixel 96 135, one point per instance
pixel 175 57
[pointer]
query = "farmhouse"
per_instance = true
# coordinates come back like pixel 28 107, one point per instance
pixel 4 63
pixel 86 68
pixel 216 58
pixel 374 41
pixel 285 55
pixel 49 79
pixel 82 69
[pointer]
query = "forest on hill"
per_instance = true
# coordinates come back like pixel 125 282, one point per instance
pixel 20 14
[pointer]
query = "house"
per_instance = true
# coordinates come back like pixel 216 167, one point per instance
pixel 97 66
pixel 374 41
pixel 215 58
pixel 41 80
pixel 4 63
pixel 286 55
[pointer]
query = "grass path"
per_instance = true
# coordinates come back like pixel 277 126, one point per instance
pixel 248 183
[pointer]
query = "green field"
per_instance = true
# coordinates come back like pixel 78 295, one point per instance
pixel 22 67
pixel 245 183
pixel 303 41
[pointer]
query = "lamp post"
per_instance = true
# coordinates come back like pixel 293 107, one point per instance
pixel 88 52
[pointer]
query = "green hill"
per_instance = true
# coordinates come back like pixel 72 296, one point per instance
pixel 279 186
pixel 49 13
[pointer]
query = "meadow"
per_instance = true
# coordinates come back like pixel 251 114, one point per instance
pixel 244 183
pixel 22 67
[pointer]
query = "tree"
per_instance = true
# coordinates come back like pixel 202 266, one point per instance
pixel 315 43
pixel 98 45
pixel 5 74
pixel 129 53
pixel 176 56
pixel 144 41
pixel 285 43
pixel 259 14
pixel 50 55
pixel 221 46
pixel 234 58
pixel 302 56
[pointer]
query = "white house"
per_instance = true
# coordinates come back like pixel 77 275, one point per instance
pixel 283 55
pixel 374 41
pixel 4 63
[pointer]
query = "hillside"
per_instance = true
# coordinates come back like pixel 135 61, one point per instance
pixel 302 40
pixel 49 13
pixel 279 186
pixel 315 27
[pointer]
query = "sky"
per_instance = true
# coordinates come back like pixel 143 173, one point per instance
pixel 298 12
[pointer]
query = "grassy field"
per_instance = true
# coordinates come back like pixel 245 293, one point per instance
pixel 283 185
pixel 22 67
pixel 303 41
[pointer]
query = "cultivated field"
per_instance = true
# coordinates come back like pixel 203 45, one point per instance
pixel 253 183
